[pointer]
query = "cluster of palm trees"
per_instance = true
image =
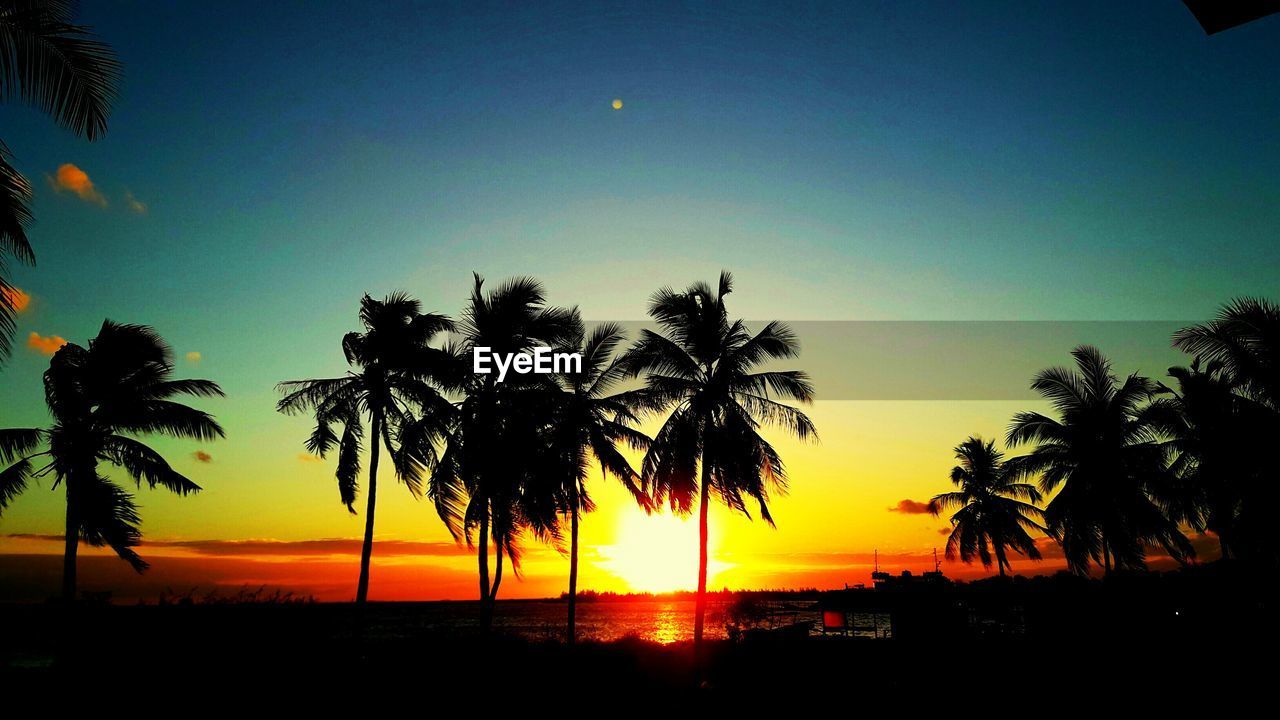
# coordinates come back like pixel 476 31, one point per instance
pixel 501 461
pixel 1133 464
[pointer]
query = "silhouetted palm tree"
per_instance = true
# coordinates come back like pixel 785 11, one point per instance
pixel 100 396
pixel 588 423
pixel 703 368
pixel 1245 339
pixel 487 486
pixel 1104 459
pixel 58 67
pixel 393 387
pixel 995 511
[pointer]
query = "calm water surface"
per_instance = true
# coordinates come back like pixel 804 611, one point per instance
pixel 663 621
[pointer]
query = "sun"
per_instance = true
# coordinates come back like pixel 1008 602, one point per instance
pixel 659 553
pixel 617 104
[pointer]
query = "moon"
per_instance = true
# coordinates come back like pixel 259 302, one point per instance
pixel 617 104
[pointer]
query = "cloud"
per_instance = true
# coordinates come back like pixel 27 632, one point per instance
pixel 72 179
pixel 194 357
pixel 134 204
pixel 18 299
pixel 944 531
pixel 309 458
pixel 202 456
pixel 46 345
pixel 913 507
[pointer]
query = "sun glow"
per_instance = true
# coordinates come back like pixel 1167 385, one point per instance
pixel 659 553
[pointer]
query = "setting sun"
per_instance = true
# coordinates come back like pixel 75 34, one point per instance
pixel 659 553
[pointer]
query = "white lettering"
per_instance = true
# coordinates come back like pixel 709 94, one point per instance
pixel 541 361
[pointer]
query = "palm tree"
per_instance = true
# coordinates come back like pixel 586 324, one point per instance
pixel 703 368
pixel 1245 339
pixel 995 511
pixel 391 386
pixel 487 486
pixel 1104 459
pixel 61 69
pixel 100 397
pixel 1218 477
pixel 589 422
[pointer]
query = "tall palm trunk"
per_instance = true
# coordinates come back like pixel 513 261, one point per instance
pixel 1001 560
pixel 497 574
pixel 72 540
pixel 573 571
pixel 700 606
pixel 482 556
pixel 366 550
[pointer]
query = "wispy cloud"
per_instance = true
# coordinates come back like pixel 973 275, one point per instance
pixel 47 345
pixel 309 458
pixel 194 357
pixel 202 456
pixel 18 299
pixel 134 204
pixel 912 507
pixel 72 179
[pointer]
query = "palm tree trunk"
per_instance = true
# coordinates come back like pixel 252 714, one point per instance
pixel 700 606
pixel 497 575
pixel 573 571
pixel 366 550
pixel 482 555
pixel 1224 547
pixel 72 540
pixel 1106 559
pixel 1000 559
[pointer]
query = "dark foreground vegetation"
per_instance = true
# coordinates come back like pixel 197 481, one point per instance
pixel 1182 632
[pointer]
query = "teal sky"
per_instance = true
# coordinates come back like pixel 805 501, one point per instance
pixel 851 161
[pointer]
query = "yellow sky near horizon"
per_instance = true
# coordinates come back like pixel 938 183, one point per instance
pixel 840 509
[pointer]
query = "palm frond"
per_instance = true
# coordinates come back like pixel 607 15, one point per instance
pixel 146 465
pixel 13 481
pixel 19 441
pixel 57 67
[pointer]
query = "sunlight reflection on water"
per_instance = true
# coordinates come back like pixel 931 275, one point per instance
pixel 662 621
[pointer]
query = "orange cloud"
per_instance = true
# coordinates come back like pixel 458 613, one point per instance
pixel 17 299
pixel 46 345
pixel 134 203
pixel 309 458
pixel 73 179
pixel 202 456
pixel 912 507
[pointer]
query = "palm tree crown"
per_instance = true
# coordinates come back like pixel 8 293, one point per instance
pixel 995 512
pixel 1103 457
pixel 101 396
pixel 1245 340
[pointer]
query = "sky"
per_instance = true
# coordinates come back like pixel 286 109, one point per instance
pixel 268 163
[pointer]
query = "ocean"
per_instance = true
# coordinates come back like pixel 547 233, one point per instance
pixel 662 621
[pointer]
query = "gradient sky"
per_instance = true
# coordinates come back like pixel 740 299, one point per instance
pixel 269 162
